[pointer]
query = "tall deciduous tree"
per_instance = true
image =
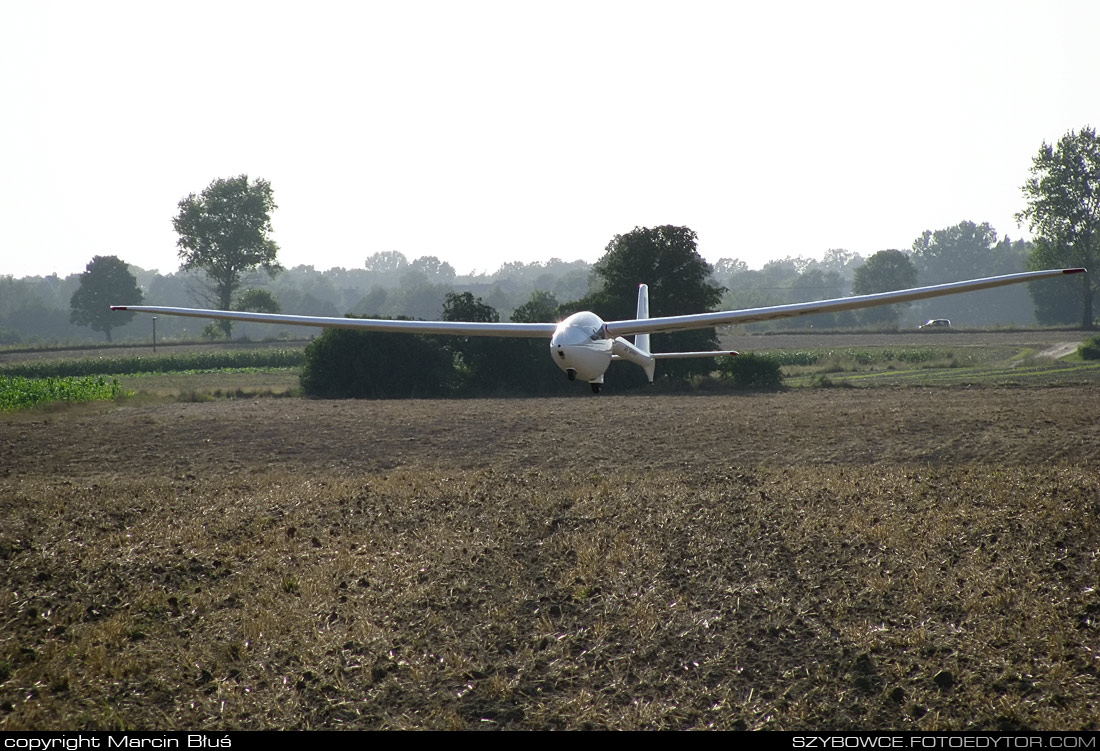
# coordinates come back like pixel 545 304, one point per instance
pixel 224 232
pixel 106 281
pixel 968 251
pixel 885 271
pixel 954 253
pixel 1055 303
pixel 1063 208
pixel 666 258
pixel 387 264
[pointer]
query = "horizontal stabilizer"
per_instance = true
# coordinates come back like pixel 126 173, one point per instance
pixel 674 355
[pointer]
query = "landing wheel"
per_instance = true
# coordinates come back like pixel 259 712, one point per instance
pixel 595 387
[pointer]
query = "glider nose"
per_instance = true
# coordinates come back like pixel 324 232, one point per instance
pixel 581 362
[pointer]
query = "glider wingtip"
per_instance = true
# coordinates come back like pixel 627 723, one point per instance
pixel 1074 271
pixel 118 307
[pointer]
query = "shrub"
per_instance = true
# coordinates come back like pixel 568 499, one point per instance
pixel 373 365
pixel 751 371
pixel 1090 349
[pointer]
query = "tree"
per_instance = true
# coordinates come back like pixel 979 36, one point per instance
pixel 885 271
pixel 542 307
pixel 1054 304
pixel 388 263
pixel 106 281
pixel 252 300
pixel 435 270
pixel 224 232
pixel 371 303
pixel 679 282
pixel 969 251
pixel 1063 208
pixel 463 306
pixel 844 262
pixel 529 360
pixel 816 284
pixel 257 301
pixel 483 360
pixel 954 253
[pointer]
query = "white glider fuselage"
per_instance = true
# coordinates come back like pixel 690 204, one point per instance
pixel 581 348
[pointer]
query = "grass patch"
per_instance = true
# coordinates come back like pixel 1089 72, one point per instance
pixel 219 384
pixel 929 366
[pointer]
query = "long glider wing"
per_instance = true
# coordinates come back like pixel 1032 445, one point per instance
pixel 754 315
pixel 613 328
pixel 460 328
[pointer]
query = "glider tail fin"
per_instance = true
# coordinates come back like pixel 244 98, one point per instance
pixel 638 352
pixel 641 341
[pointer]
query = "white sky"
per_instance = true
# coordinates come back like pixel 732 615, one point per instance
pixel 485 132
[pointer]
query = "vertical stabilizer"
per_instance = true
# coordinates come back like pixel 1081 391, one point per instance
pixel 641 341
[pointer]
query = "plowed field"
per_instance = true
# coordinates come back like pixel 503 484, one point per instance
pixel 821 558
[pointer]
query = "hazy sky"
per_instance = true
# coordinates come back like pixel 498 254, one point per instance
pixel 485 132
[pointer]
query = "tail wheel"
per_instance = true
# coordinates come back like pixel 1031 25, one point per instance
pixel 595 387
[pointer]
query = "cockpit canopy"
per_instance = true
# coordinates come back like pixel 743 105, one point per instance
pixel 579 328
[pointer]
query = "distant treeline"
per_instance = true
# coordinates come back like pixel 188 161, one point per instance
pixel 36 309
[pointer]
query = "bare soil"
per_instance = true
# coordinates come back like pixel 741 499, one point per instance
pixel 821 558
pixel 609 434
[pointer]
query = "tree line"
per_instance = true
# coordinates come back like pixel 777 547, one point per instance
pixel 360 364
pixel 229 261
pixel 43 309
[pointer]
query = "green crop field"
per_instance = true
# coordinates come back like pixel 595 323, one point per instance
pixel 20 393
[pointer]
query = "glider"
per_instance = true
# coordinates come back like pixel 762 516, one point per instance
pixel 583 345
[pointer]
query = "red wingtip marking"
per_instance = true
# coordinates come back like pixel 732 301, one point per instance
pixel 118 307
pixel 1074 271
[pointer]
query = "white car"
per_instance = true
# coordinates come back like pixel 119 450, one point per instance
pixel 936 323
